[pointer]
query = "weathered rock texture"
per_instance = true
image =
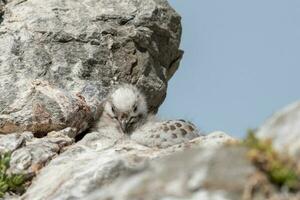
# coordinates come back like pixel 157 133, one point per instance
pixel 29 154
pixel 59 57
pixel 283 128
pixel 101 166
pixel 197 174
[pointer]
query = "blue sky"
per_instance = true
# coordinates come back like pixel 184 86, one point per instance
pixel 241 63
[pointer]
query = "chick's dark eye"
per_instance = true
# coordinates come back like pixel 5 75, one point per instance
pixel 135 108
pixel 113 109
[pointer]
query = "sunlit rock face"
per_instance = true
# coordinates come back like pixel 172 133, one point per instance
pixel 58 58
pixel 283 128
pixel 103 166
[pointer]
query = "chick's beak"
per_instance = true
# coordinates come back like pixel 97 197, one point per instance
pixel 123 124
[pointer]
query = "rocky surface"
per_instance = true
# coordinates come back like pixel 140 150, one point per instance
pixel 44 108
pixel 194 174
pixel 29 154
pixel 58 58
pixel 100 164
pixel 103 166
pixel 283 128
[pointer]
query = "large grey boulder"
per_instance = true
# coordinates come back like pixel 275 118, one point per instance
pixel 195 175
pixel 283 128
pixel 103 166
pixel 58 58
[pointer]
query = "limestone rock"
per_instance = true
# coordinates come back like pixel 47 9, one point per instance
pixel 283 128
pixel 193 174
pixel 11 142
pixel 36 152
pixel 214 139
pixel 2 5
pixel 79 49
pixel 44 108
pixel 100 162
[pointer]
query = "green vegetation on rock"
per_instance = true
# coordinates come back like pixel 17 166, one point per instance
pixel 9 182
pixel 280 170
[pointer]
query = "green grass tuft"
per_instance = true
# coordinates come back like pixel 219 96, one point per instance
pixel 281 171
pixel 9 182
